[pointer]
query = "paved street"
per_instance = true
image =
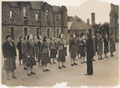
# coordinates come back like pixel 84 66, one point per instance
pixel 105 73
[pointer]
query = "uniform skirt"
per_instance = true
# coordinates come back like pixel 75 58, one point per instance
pixel 112 47
pixel 24 58
pixel 106 50
pixel 53 53
pixel 100 49
pixel 45 58
pixel 79 50
pixel 9 64
pixel 39 57
pixel 30 62
pixel 82 51
pixel 61 55
pixel 73 53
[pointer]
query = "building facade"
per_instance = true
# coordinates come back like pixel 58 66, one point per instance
pixel 37 18
pixel 114 21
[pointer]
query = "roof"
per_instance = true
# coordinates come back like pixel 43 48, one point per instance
pixel 77 24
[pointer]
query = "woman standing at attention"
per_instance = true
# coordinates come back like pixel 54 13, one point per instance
pixel 73 49
pixel 30 62
pixel 61 52
pixel 45 54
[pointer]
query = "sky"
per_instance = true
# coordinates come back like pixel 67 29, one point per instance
pixel 101 10
pixel 83 8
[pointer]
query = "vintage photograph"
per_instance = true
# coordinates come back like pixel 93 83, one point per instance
pixel 45 43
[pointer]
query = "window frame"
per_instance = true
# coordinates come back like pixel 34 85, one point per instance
pixel 25 31
pixel 11 14
pixel 12 31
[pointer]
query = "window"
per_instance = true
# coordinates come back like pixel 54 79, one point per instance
pixel 11 14
pixel 12 32
pixel 36 17
pixel 48 33
pixel 57 17
pixel 37 31
pixel 46 14
pixel 24 12
pixel 57 32
pixel 40 31
pixel 25 31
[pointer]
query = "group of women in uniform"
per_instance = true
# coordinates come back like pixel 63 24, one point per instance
pixel 104 45
pixel 44 51
pixel 33 50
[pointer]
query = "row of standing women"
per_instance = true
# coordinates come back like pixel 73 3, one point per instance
pixel 43 51
pixel 31 50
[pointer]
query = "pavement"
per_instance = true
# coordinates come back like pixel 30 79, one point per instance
pixel 106 73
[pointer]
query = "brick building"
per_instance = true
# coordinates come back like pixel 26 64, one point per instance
pixel 37 18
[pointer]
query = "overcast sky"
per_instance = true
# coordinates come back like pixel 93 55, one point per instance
pixel 101 10
pixel 83 8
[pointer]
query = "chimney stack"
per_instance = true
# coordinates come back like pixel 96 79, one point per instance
pixel 88 21
pixel 92 19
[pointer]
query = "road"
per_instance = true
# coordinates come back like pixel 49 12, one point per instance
pixel 106 73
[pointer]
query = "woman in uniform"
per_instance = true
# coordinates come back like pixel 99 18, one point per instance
pixel 40 50
pixel 65 47
pixel 45 54
pixel 83 49
pixel 106 46
pixel 61 52
pixel 73 49
pixel 99 45
pixel 30 55
pixel 79 47
pixel 53 47
pixel 37 49
pixel 25 52
pixel 9 53
pixel 20 48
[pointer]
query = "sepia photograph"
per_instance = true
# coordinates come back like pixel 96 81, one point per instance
pixel 49 42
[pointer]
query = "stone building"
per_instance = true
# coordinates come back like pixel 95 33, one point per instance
pixel 114 21
pixel 37 18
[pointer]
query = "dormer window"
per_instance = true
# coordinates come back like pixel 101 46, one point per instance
pixel 11 14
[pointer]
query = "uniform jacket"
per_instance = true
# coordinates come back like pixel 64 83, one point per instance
pixel 61 44
pixel 45 47
pixel 30 49
pixel 9 50
pixel 53 45
pixel 72 44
